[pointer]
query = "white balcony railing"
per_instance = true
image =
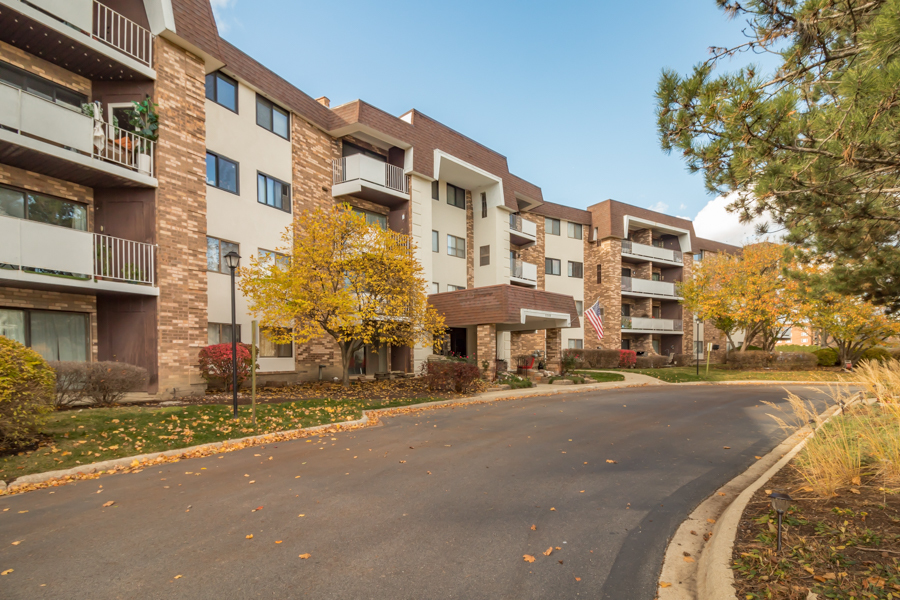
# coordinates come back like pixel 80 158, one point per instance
pixel 59 251
pixel 651 252
pixel 520 225
pixel 647 286
pixel 62 126
pixel 525 271
pixel 104 24
pixel 358 166
pixel 645 324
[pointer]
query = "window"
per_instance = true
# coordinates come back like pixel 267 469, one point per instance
pixel 220 333
pixel 39 86
pixel 656 277
pixel 656 312
pixel 484 256
pixel 455 288
pixel 268 257
pixel 23 204
pixel 626 344
pixel 658 243
pixel 579 307
pixel 552 266
pixel 698 256
pixel 551 226
pixel 221 173
pixel 626 272
pixel 626 310
pixel 456 196
pixel 576 344
pixel 435 193
pixel 348 149
pixel 55 335
pixel 272 117
pixel 272 192
pixel 271 349
pixel 483 205
pixel 435 287
pixel 596 233
pixel 655 344
pixel 456 246
pixel 216 250
pixel 222 89
pixel 575 230
pixel 599 273
pixel 373 218
pixel 576 269
pixel 435 241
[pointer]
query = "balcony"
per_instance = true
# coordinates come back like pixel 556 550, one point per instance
pixel 645 325
pixel 46 256
pixel 642 252
pixel 369 179
pixel 522 273
pixel 632 286
pixel 56 140
pixel 521 231
pixel 82 36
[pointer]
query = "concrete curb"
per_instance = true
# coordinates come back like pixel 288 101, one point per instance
pixel 711 577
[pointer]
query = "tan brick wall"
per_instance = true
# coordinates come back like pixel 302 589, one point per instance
pixel 608 254
pixel 43 300
pixel 181 216
pixel 522 342
pixel 312 152
pixel 42 68
pixel 535 254
pixel 470 241
pixel 554 349
pixel 48 185
pixel 687 318
pixel 486 348
pixel 366 205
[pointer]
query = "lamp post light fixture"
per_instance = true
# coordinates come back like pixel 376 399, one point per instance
pixel 780 502
pixel 233 261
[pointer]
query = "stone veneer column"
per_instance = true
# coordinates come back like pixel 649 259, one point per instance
pixel 470 241
pixel 486 349
pixel 607 254
pixel 687 322
pixel 554 349
pixel 180 217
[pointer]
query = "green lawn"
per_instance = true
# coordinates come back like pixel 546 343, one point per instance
pixel 685 374
pixel 86 436
pixel 596 376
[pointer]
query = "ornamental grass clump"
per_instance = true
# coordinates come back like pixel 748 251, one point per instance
pixel 27 392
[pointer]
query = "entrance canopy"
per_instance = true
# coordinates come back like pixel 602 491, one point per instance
pixel 510 308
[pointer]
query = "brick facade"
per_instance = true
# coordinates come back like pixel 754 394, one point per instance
pixel 486 348
pixel 181 217
pixel 554 349
pixel 606 253
pixel 44 300
pixel 42 68
pixel 470 241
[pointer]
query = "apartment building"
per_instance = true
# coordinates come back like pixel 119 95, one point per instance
pixel 112 246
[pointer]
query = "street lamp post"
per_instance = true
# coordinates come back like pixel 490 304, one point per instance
pixel 780 502
pixel 233 261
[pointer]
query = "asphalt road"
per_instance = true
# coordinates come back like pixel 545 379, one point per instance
pixel 440 504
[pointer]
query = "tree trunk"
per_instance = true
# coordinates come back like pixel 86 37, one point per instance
pixel 345 362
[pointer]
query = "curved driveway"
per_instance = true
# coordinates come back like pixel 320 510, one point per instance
pixel 439 504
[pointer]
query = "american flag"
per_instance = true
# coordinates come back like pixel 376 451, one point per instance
pixel 593 315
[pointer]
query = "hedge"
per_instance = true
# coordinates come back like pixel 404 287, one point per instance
pixel 104 382
pixel 26 394
pixel 827 357
pixel 782 361
pixel 596 359
pixel 653 361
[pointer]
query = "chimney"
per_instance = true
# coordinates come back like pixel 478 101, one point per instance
pixel 324 101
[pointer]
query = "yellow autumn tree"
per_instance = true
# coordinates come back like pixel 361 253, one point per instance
pixel 345 279
pixel 851 323
pixel 747 291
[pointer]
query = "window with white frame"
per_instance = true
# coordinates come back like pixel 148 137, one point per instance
pixel 435 241
pixel 456 246
pixel 435 287
pixel 576 344
pixel 575 230
pixel 269 348
pixel 579 307
pixel 551 226
pixel 220 333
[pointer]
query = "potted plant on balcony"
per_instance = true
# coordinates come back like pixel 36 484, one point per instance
pixel 145 120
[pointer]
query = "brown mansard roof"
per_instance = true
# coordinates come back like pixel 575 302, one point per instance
pixel 566 213
pixel 499 304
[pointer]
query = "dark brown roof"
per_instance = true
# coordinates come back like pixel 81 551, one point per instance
pixel 499 304
pixel 608 218
pixel 194 21
pixel 714 246
pixel 567 213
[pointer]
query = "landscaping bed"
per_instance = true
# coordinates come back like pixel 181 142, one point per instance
pixel 392 389
pixel 846 546
pixel 601 377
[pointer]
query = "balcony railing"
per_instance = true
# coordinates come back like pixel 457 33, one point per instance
pixel 358 166
pixel 522 231
pixel 102 23
pixel 526 271
pixel 651 252
pixel 51 250
pixel 647 286
pixel 645 324
pixel 57 124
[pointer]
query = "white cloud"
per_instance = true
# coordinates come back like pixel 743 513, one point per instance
pixel 714 222
pixel 682 207
pixel 659 207
pixel 220 8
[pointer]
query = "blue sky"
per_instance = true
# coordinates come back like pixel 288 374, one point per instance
pixel 563 89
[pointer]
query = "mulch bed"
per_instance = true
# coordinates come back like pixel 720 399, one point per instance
pixel 387 390
pixel 844 547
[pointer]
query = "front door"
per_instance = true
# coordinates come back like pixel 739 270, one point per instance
pixel 458 341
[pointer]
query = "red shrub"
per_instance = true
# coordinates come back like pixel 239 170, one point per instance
pixel 451 375
pixel 627 358
pixel 215 364
pixel 464 375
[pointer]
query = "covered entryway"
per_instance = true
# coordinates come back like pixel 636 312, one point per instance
pixel 477 317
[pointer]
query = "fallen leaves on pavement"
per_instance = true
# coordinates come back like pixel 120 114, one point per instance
pixel 108 504
pixel 548 551
pixel 305 555
pixel 528 558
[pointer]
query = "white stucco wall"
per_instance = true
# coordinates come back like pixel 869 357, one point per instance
pixel 493 231
pixel 241 218
pixel 566 249
pixel 447 219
